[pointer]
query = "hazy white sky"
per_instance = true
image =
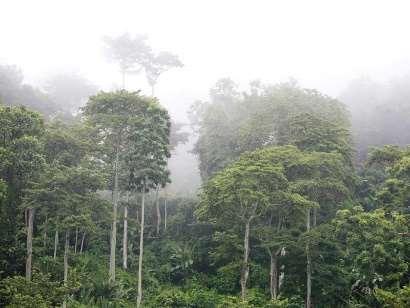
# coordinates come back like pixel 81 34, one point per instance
pixel 323 44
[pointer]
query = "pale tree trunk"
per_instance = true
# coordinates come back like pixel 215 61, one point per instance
pixel 55 242
pixel 281 277
pixel 45 235
pixel 276 276
pixel 314 222
pixel 274 279
pixel 66 246
pixel 308 266
pixel 139 298
pixel 76 240
pixel 158 210
pixel 82 242
pixel 30 218
pixel 245 263
pixel 113 245
pixel 125 237
pixel 137 210
pixel 165 213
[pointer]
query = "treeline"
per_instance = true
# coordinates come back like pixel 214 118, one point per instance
pixel 380 113
pixel 284 218
pixel 59 97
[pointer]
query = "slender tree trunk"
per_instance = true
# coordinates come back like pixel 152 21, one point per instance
pixel 314 222
pixel 139 298
pixel 76 240
pixel 111 278
pixel 158 210
pixel 55 242
pixel 30 213
pixel 165 213
pixel 245 264
pixel 125 237
pixel 273 275
pixel 45 234
pixel 308 266
pixel 281 277
pixel 66 246
pixel 82 242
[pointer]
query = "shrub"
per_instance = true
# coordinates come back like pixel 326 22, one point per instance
pixel 171 298
pixel 39 292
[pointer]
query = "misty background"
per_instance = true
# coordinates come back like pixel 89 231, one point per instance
pixel 356 51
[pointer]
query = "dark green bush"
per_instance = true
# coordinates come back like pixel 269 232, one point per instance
pixel 40 292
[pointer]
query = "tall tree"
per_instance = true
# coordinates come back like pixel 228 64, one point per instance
pixel 127 130
pixel 129 52
pixel 110 115
pixel 146 159
pixel 158 64
pixel 245 190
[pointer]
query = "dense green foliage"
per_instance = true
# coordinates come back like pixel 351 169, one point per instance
pixel 233 123
pixel 283 217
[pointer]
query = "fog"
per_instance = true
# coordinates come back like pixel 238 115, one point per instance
pixel 322 44
pixel 204 153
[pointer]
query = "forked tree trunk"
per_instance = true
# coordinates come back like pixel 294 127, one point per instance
pixel 113 245
pixel 245 262
pixel 82 242
pixel 158 210
pixel 30 218
pixel 308 265
pixel 55 242
pixel 125 237
pixel 139 297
